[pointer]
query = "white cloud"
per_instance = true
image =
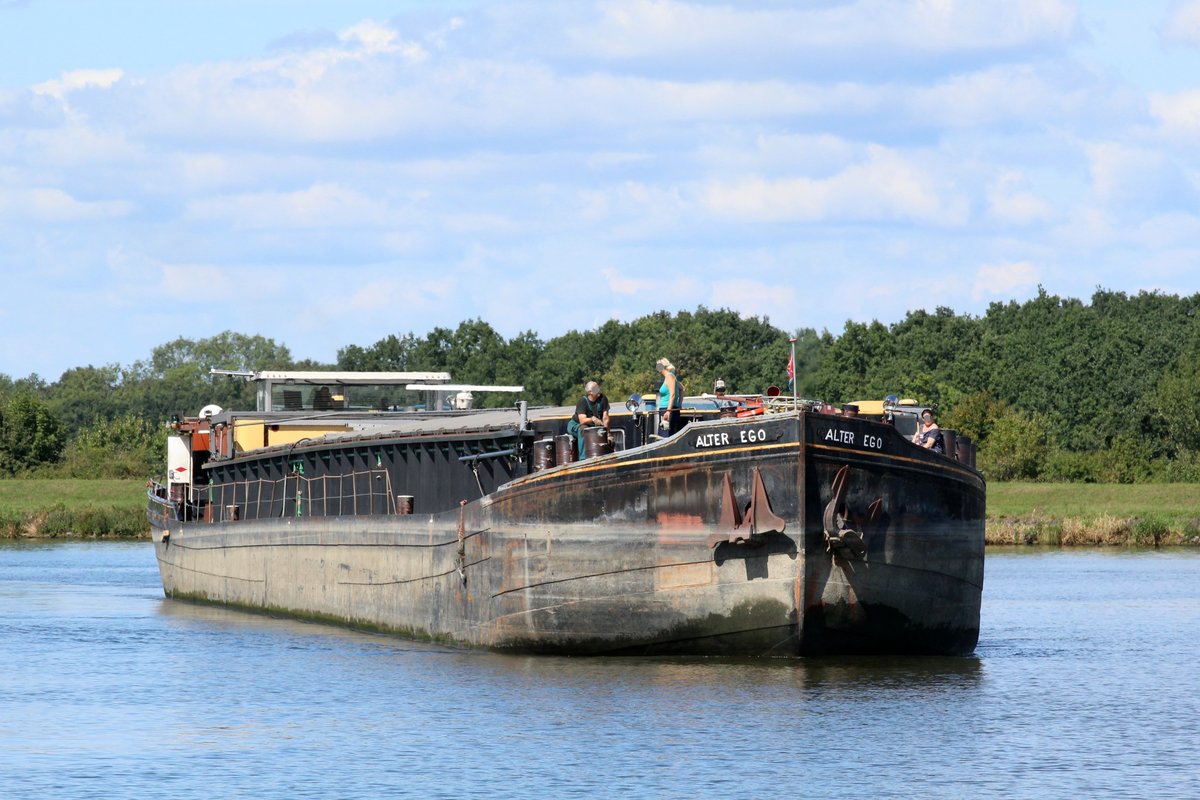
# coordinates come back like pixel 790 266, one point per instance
pixel 376 295
pixel 1004 280
pixel 1179 114
pixel 1011 203
pixel 1008 94
pixel 631 210
pixel 812 154
pixel 619 284
pixel 321 205
pixel 71 146
pixel 374 38
pixel 373 86
pixel 1137 180
pixel 640 28
pixel 352 91
pixel 1175 231
pixel 369 93
pixel 190 282
pixel 752 298
pixel 467 222
pixel 1183 25
pixel 884 185
pixel 79 79
pixel 53 205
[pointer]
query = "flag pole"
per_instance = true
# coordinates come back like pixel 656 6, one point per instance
pixel 795 399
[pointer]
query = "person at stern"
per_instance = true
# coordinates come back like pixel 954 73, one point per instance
pixel 928 434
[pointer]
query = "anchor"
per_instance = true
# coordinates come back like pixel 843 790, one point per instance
pixel 759 520
pixel 841 540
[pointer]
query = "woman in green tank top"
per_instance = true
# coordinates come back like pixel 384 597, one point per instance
pixel 670 398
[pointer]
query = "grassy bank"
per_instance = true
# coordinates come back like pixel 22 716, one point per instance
pixel 1018 513
pixel 66 507
pixel 1094 514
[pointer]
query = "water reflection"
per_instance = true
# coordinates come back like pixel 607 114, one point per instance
pixel 912 674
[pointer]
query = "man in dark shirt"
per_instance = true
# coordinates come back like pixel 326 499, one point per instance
pixel 590 411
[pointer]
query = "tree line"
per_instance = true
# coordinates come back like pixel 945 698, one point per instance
pixel 1052 388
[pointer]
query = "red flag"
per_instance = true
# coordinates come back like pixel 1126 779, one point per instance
pixel 791 369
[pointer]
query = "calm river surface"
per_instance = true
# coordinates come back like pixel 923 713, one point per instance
pixel 1086 683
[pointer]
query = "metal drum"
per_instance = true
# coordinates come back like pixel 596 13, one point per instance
pixel 596 442
pixel 564 449
pixel 543 454
pixel 950 444
pixel 964 449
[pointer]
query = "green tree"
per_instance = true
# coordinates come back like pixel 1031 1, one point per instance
pixel 176 377
pixel 83 395
pixel 560 371
pixel 474 352
pixel 974 415
pixel 1016 447
pixel 30 435
pixel 1176 402
pixel 520 359
pixel 390 354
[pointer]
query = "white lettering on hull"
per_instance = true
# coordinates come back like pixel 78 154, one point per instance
pixel 842 436
pixel 721 438
pixel 712 439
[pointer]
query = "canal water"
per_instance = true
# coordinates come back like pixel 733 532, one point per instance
pixel 1086 683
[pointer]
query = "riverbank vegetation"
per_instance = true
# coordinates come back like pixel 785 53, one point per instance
pixel 52 508
pixel 1143 515
pixel 1051 390
pixel 1018 513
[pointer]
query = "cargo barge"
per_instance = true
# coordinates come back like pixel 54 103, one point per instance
pixel 765 527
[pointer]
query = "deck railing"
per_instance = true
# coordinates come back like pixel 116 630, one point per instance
pixel 358 493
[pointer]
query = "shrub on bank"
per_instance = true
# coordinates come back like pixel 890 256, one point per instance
pixel 1149 532
pixel 1101 531
pixel 11 524
pixel 125 447
pixel 85 521
pixel 1070 467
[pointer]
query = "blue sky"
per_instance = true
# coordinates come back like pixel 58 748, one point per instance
pixel 327 174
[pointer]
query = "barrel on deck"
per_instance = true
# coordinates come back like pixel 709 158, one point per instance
pixel 966 451
pixel 564 448
pixel 543 454
pixel 596 442
pixel 950 443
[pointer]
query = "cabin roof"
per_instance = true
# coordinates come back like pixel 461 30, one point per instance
pixel 349 378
